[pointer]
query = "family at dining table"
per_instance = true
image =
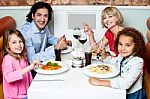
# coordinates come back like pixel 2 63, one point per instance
pixel 34 43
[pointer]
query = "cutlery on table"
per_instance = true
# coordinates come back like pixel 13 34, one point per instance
pixel 49 80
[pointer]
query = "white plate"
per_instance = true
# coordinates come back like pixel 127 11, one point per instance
pixel 62 69
pixel 69 49
pixel 114 72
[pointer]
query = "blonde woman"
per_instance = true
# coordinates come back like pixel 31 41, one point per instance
pixel 112 19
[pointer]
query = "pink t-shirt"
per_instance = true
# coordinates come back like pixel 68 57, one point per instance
pixel 15 84
pixel 110 36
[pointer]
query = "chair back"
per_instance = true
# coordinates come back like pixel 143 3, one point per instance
pixel 6 23
pixel 147 71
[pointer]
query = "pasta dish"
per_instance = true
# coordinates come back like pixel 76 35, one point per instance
pixel 51 66
pixel 101 69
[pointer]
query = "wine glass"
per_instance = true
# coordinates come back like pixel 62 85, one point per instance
pixel 82 40
pixel 77 34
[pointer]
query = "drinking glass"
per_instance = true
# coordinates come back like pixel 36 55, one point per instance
pixel 82 40
pixel 57 54
pixel 88 58
pixel 77 34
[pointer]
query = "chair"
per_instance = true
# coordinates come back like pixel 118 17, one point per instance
pixel 147 71
pixel 6 23
pixel 148 26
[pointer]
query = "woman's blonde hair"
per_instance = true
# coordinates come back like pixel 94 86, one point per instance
pixel 112 11
pixel 6 39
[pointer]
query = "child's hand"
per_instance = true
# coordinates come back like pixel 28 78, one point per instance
pixel 102 52
pixel 94 81
pixel 35 64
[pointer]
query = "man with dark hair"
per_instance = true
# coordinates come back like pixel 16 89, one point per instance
pixel 37 34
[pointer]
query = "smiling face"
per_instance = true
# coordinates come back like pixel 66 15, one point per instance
pixel 110 20
pixel 15 44
pixel 126 45
pixel 40 18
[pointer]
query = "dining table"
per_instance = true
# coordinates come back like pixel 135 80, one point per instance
pixel 70 84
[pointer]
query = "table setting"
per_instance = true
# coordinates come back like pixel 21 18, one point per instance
pixel 66 77
pixel 68 82
pixel 72 83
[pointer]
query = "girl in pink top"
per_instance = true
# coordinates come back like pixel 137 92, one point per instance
pixel 112 19
pixel 15 68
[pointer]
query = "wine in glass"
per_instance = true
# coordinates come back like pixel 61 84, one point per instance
pixel 82 40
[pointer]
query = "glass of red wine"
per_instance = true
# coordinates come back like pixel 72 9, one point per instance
pixel 82 40
pixel 77 34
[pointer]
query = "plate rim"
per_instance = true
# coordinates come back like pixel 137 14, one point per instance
pixel 70 49
pixel 63 69
pixel 91 74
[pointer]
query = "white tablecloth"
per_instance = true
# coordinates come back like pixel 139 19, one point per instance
pixel 73 85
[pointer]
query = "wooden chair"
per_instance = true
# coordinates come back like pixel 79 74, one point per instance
pixel 6 23
pixel 147 71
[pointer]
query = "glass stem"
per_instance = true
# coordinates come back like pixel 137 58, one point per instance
pixel 77 47
pixel 82 48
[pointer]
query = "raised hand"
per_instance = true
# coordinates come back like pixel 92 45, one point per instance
pixel 87 28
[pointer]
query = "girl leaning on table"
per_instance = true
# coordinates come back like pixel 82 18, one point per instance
pixel 131 47
pixel 15 68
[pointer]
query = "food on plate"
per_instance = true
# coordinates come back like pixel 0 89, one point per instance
pixel 51 66
pixel 94 53
pixel 101 69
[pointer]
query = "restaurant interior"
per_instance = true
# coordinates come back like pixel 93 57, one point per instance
pixel 136 13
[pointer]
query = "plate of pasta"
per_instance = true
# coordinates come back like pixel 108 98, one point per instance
pixel 52 67
pixel 102 70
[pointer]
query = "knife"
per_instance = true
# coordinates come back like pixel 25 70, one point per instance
pixel 49 80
